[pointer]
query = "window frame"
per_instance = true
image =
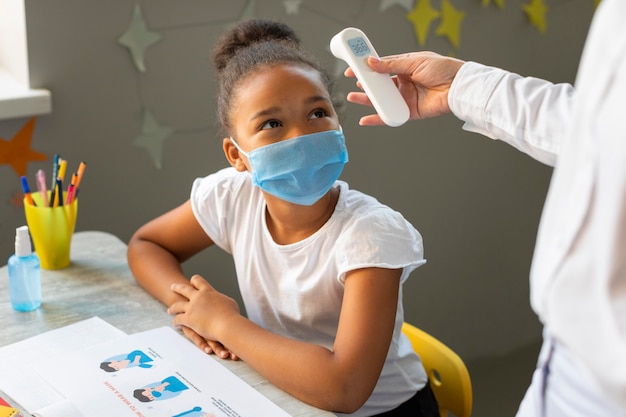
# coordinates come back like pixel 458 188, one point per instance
pixel 17 98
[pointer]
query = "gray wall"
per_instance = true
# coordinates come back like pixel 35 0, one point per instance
pixel 476 202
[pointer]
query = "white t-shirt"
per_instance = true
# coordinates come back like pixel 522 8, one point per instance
pixel 296 290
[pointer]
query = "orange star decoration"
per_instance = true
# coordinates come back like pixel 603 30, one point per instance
pixel 450 25
pixel 17 152
pixel 499 3
pixel 422 16
pixel 17 199
pixel 536 11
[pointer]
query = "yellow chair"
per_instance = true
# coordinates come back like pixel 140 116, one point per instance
pixel 448 375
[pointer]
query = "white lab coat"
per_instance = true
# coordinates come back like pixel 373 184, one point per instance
pixel 578 276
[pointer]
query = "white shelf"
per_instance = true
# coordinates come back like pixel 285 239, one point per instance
pixel 17 100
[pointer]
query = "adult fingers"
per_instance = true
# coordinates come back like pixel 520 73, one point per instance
pixel 359 98
pixel 396 64
pixel 371 120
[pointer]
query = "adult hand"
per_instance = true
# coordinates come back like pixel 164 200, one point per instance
pixel 423 78
pixel 201 313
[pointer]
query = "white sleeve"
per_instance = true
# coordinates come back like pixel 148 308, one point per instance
pixel 381 239
pixel 212 201
pixel 528 113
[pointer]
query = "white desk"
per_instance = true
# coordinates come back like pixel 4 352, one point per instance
pixel 99 283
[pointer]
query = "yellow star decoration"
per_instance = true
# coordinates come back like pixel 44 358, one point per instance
pixel 422 16
pixel 536 11
pixel 17 151
pixel 499 3
pixel 450 25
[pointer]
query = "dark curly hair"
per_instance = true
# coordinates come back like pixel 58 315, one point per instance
pixel 254 43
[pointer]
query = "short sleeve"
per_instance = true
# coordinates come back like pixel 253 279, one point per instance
pixel 383 238
pixel 213 203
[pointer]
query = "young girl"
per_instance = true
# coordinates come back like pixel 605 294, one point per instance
pixel 320 266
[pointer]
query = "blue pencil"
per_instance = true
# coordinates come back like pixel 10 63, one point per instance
pixel 60 191
pixel 26 189
pixel 55 170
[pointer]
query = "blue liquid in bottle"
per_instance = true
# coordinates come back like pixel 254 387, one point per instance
pixel 24 274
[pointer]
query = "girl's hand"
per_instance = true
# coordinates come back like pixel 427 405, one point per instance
pixel 201 316
pixel 208 346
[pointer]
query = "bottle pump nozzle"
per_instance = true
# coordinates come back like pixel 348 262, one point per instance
pixel 22 241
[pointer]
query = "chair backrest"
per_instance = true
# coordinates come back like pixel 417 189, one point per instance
pixel 448 375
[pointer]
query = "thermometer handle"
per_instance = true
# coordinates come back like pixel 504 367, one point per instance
pixel 352 46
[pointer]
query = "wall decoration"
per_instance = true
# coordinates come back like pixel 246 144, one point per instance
pixel 152 137
pixel 499 3
pixel 422 16
pixel 17 199
pixel 405 4
pixel 450 25
pixel 292 6
pixel 420 13
pixel 17 152
pixel 536 11
pixel 138 38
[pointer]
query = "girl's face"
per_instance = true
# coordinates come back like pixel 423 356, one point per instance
pixel 280 102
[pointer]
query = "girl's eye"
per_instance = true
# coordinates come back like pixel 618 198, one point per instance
pixel 271 124
pixel 319 113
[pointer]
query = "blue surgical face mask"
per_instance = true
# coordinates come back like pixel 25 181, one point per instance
pixel 299 170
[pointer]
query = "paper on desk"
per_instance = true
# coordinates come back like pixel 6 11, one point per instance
pixel 19 378
pixel 188 382
pixel 63 408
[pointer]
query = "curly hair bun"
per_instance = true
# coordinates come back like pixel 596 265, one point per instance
pixel 247 33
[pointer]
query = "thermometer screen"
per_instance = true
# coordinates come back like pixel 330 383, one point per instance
pixel 359 47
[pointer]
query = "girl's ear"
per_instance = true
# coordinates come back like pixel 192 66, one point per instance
pixel 233 156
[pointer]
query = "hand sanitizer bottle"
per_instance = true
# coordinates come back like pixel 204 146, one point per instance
pixel 24 274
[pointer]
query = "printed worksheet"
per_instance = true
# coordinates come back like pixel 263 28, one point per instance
pixel 19 378
pixel 157 373
pixel 93 369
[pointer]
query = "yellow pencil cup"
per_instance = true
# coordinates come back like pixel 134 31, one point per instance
pixel 51 229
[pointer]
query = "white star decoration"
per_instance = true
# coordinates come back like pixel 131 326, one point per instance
pixel 405 4
pixel 292 6
pixel 152 137
pixel 138 38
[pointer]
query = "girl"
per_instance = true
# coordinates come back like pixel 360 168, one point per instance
pixel 320 266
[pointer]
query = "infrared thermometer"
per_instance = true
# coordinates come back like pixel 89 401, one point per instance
pixel 351 45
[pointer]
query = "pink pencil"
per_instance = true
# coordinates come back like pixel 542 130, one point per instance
pixel 40 177
pixel 69 194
